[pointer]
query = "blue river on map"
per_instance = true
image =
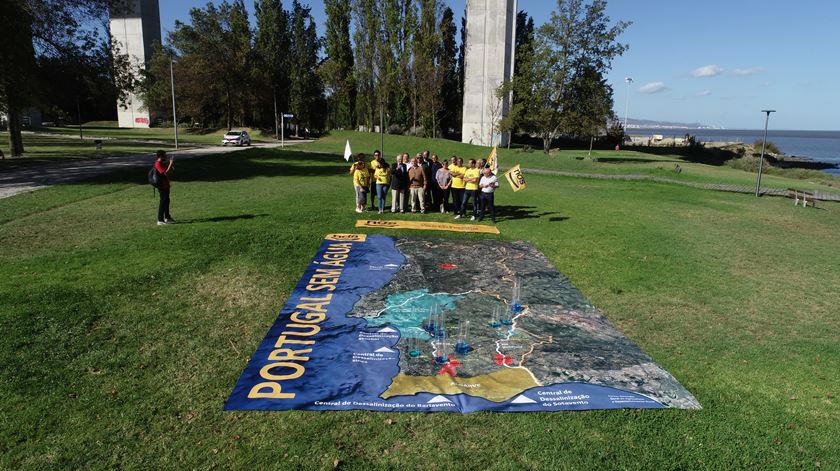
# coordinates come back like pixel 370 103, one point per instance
pixel 409 311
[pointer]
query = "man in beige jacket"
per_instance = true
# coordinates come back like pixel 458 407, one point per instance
pixel 417 185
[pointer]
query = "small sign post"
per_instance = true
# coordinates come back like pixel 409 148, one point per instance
pixel 283 118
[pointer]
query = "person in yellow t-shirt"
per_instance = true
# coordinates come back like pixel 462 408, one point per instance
pixel 471 177
pixel 377 162
pixel 360 157
pixel 382 175
pixel 458 183
pixel 361 183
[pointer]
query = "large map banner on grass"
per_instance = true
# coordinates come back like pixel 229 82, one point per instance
pixel 403 324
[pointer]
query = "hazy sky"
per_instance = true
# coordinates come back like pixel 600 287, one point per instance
pixel 713 62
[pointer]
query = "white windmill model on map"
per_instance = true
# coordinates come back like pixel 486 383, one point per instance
pixel 495 319
pixel 462 346
pixel 436 328
pixel 516 299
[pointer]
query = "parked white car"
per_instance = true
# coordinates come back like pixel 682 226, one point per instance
pixel 237 138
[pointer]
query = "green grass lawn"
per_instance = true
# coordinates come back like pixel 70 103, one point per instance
pixel 185 135
pixel 40 150
pixel 609 161
pixel 122 339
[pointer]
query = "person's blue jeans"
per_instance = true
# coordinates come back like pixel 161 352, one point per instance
pixel 381 193
pixel 470 195
pixel 163 207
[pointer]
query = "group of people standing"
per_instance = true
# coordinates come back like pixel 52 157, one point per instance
pixel 426 184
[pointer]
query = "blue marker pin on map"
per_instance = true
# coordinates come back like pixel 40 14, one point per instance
pixel 494 321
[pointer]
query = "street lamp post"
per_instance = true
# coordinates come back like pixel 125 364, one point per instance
pixel 763 146
pixel 628 81
pixel 381 128
pixel 276 126
pixel 174 112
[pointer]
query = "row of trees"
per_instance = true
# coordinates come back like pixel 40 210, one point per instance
pixel 402 65
pixel 229 74
pixel 394 61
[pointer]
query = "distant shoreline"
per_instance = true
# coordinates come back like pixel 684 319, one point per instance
pixel 811 149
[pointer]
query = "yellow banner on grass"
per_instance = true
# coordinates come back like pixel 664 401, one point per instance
pixel 515 178
pixel 428 226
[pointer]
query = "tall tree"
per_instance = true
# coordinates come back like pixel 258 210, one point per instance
pixel 448 69
pixel 214 60
pixel 524 46
pixel 337 69
pixel 368 40
pixel 578 35
pixel 426 72
pixel 52 33
pixel 524 38
pixel 271 65
pixel 588 104
pixel 240 38
pixel 18 58
pixel 306 92
pixel 462 48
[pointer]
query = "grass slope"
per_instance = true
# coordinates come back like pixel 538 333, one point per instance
pixel 123 339
pixel 609 162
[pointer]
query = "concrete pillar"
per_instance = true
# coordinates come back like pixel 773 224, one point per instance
pixel 491 29
pixel 135 24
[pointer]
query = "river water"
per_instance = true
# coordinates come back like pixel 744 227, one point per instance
pixel 817 145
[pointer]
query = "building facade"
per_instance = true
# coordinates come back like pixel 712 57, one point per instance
pixel 489 56
pixel 135 25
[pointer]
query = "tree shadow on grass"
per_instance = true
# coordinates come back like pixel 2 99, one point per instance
pixel 221 218
pixel 243 165
pixel 512 213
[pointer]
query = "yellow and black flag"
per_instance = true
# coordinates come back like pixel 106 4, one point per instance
pixel 515 178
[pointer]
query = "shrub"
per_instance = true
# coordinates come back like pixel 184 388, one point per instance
pixel 395 129
pixel 747 164
pixel 771 148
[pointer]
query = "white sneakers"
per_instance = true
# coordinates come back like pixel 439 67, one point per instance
pixel 457 216
pixel 472 218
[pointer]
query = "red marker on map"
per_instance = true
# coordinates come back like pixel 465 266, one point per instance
pixel 449 368
pixel 503 359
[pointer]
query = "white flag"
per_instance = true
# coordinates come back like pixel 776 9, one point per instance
pixel 347 152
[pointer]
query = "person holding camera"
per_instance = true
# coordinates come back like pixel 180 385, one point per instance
pixel 164 166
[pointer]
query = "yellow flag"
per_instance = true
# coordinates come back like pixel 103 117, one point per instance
pixel 493 161
pixel 515 178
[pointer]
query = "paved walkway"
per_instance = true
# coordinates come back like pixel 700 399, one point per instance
pixel 820 195
pixel 30 178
